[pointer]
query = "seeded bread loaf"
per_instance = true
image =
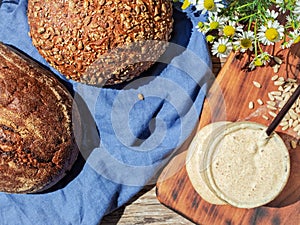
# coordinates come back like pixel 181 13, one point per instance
pixel 37 138
pixel 100 42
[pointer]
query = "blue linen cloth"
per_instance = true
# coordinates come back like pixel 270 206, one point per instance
pixel 127 140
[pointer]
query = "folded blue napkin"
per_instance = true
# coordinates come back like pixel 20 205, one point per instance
pixel 127 139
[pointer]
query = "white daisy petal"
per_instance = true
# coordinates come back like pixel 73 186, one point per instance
pixel 222 47
pixel 270 33
pixel 244 41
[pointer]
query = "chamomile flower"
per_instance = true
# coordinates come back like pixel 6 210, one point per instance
pixel 260 60
pixel 214 22
pixel 222 47
pixel 210 38
pixel 231 28
pixel 209 6
pixel 270 33
pixel 244 41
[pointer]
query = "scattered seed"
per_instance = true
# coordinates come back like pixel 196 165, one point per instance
pixel 285 127
pixel 260 102
pixel 265 117
pixel 256 84
pixel 271 97
pixel 271 103
pixel 278 83
pixel 295 123
pixel 271 107
pixel 276 68
pixel 275 77
pixel 288 88
pixel 272 114
pixel 293 144
pixel 251 105
pixel 297 128
pixel 278 93
pixel 293 114
pixel 284 123
pixel 291 122
pixel 287 117
pixel 277 60
pixel 141 96
pixel 278 98
pixel 280 88
pixel 281 104
pixel 291 80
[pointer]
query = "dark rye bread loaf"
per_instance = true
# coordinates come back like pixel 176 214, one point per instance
pixel 101 42
pixel 37 141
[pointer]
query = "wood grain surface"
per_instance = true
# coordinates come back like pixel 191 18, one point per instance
pixel 228 100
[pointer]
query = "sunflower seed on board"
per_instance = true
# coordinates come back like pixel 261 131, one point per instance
pixel 260 102
pixel 265 117
pixel 276 68
pixel 295 123
pixel 271 97
pixel 278 83
pixel 256 84
pixel 293 115
pixel 285 127
pixel 271 107
pixel 292 80
pixel 280 88
pixel 297 128
pixel 277 60
pixel 251 105
pixel 275 77
pixel 271 103
pixel 291 122
pixel 272 114
pixel 284 123
pixel 278 93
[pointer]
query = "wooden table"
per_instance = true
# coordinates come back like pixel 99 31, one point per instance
pixel 144 208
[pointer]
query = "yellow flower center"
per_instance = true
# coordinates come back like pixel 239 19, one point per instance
pixel 209 4
pixel 214 25
pixel 258 62
pixel 229 31
pixel 222 48
pixel 185 4
pixel 246 43
pixel 272 34
pixel 200 24
pixel 210 38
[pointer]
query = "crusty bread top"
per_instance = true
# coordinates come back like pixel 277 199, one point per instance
pixel 36 137
pixel 72 35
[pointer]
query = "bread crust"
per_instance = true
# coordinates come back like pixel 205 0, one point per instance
pixel 37 141
pixel 91 41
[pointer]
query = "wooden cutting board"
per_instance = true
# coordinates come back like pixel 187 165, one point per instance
pixel 228 99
